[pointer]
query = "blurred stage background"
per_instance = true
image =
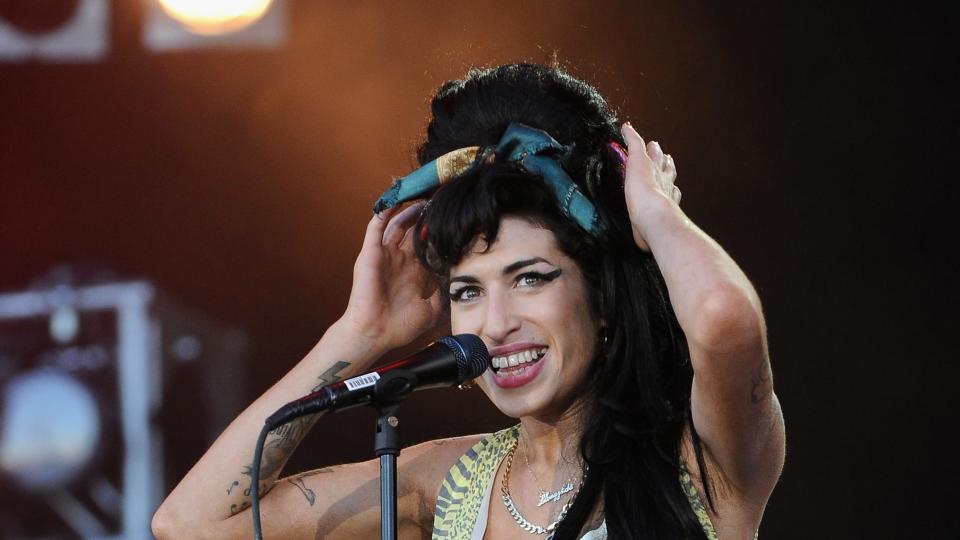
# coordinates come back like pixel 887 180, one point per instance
pixel 230 177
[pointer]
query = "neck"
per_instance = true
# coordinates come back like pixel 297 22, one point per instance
pixel 553 444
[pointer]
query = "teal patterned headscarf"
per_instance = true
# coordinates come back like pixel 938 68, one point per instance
pixel 534 150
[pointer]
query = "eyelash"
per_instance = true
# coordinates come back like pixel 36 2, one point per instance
pixel 541 278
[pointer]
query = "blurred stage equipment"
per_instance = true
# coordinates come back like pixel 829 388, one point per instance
pixel 54 30
pixel 191 24
pixel 104 385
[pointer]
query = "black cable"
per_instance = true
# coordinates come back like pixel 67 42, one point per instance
pixel 255 481
pixel 316 403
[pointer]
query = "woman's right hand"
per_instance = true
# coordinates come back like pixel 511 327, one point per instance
pixel 394 299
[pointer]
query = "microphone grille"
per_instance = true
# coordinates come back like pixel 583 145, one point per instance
pixel 471 354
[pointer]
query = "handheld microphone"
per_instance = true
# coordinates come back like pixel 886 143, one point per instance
pixel 449 361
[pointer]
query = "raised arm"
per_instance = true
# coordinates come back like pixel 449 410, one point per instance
pixel 735 410
pixel 392 301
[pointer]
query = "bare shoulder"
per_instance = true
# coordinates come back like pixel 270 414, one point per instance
pixel 430 460
pixel 427 463
pixel 450 444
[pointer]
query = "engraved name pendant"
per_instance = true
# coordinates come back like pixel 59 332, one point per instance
pixel 555 496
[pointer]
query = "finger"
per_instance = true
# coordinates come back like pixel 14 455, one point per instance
pixel 669 165
pixel 636 148
pixel 669 168
pixel 375 227
pixel 655 153
pixel 676 194
pixel 401 223
pixel 406 243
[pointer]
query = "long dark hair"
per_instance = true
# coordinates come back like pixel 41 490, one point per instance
pixel 638 401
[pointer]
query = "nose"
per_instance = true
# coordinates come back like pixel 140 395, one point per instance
pixel 499 320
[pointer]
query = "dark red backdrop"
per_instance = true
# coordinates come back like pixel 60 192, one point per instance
pixel 811 142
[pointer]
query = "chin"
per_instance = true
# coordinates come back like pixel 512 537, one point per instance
pixel 515 408
pixel 515 403
pixel 518 403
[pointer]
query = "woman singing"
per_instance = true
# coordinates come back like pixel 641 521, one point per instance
pixel 628 345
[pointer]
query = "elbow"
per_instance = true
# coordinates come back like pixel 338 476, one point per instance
pixel 166 525
pixel 729 320
pixel 160 525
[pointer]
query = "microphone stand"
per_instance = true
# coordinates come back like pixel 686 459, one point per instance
pixel 390 389
pixel 387 446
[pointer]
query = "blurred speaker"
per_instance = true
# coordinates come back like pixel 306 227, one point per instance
pixel 103 389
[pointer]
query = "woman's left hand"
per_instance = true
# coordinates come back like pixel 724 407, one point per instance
pixel 648 183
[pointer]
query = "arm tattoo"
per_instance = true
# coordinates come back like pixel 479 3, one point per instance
pixel 285 438
pixel 281 442
pixel 237 508
pixel 331 375
pixel 284 442
pixel 308 493
pixel 244 504
pixel 264 486
pixel 317 471
pixel 760 383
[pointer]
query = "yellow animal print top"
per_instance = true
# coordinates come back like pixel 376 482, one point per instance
pixel 462 490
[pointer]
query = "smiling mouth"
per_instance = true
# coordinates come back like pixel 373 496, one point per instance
pixel 516 361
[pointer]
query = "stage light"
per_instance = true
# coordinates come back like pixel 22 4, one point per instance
pixel 50 429
pixel 215 17
pixel 179 25
pixel 108 389
pixel 64 324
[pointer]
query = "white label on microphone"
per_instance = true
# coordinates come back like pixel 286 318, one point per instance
pixel 362 381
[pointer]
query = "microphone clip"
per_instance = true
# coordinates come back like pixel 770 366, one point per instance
pixel 393 386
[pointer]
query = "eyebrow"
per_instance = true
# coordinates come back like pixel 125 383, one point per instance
pixel 507 270
pixel 511 268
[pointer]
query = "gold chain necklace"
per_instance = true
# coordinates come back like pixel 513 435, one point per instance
pixel 515 514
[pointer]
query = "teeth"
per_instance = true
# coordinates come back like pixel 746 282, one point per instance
pixel 515 359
